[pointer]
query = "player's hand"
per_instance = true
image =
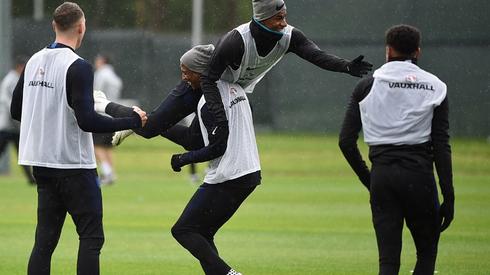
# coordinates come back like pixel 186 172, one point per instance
pixel 446 213
pixel 367 183
pixel 358 67
pixel 176 162
pixel 142 115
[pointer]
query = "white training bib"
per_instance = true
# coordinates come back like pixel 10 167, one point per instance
pixel 399 108
pixel 254 67
pixel 241 156
pixel 49 133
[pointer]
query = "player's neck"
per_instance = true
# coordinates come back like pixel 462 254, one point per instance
pixel 67 40
pixel 402 58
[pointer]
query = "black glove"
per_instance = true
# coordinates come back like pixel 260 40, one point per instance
pixel 357 67
pixel 446 213
pixel 177 162
pixel 367 182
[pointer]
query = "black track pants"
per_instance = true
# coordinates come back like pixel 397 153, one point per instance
pixel 400 194
pixel 175 107
pixel 211 206
pixel 80 196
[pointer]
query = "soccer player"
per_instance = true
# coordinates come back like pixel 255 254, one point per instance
pixel 54 103
pixel 245 55
pixel 234 172
pixel 234 169
pixel 9 129
pixel 403 112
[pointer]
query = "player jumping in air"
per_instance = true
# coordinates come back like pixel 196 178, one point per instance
pixel 244 56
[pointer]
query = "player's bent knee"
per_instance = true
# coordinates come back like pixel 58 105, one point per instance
pixel 92 244
pixel 180 232
pixel 146 133
pixel 176 232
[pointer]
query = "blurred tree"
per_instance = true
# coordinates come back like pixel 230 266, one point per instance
pixel 155 15
pixel 22 8
pixel 223 15
pixel 100 7
pixel 150 14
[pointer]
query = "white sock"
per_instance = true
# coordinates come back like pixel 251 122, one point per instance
pixel 106 168
pixel 233 272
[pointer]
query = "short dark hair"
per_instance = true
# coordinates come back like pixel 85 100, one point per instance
pixel 66 15
pixel 405 39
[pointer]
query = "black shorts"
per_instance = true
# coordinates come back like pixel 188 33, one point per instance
pixel 103 139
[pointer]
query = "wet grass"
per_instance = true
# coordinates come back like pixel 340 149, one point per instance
pixel 309 216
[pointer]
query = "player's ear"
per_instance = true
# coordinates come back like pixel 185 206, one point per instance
pixel 80 27
pixel 388 52
pixel 418 53
pixel 53 24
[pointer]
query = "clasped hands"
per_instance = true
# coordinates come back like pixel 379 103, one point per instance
pixel 142 115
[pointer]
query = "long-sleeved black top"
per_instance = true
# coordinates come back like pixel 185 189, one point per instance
pixel 79 92
pixel 191 139
pixel 217 143
pixel 437 150
pixel 181 102
pixel 230 49
pixel 173 109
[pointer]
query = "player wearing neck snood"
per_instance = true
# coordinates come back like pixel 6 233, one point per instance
pixel 245 54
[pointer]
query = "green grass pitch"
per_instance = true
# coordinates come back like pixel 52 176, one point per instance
pixel 309 216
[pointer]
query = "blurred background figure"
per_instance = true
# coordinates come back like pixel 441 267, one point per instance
pixel 106 80
pixel 9 129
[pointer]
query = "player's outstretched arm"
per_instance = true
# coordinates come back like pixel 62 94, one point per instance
pixel 309 51
pixel 358 67
pixel 116 110
pixel 79 92
pixel 103 105
pixel 181 102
